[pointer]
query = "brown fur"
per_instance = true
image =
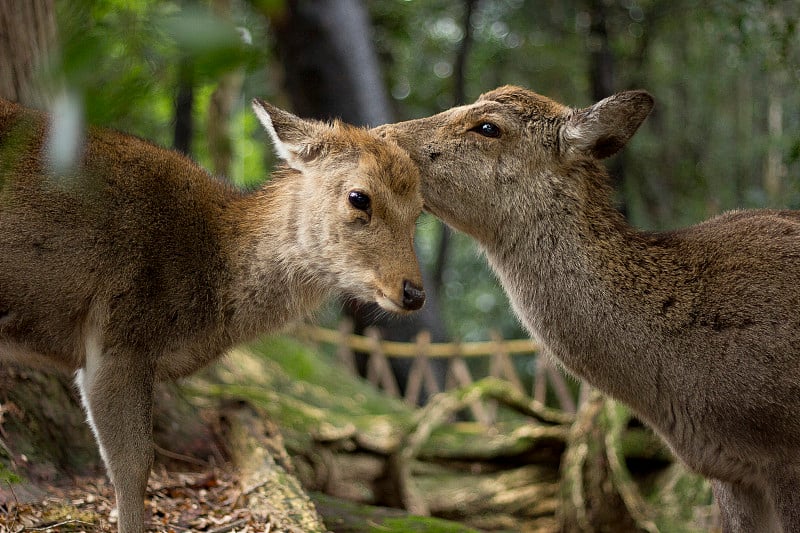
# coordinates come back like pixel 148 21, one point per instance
pixel 140 266
pixel 696 329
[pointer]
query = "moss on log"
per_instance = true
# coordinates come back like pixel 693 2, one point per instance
pixel 348 517
pixel 534 471
pixel 269 489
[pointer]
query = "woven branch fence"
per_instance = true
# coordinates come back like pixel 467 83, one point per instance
pixel 422 378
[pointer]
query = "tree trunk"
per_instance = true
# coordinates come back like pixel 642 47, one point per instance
pixel 774 168
pixel 184 101
pixel 601 57
pixel 38 410
pixel 603 79
pixel 27 33
pixel 225 96
pixel 330 64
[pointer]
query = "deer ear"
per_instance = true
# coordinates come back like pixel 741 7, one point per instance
pixel 603 129
pixel 297 141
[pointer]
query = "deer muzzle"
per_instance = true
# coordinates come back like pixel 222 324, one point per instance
pixel 413 296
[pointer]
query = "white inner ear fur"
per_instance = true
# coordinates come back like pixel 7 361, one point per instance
pixel 582 129
pixel 281 148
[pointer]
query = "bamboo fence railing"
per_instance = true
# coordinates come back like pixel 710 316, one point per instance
pixel 421 377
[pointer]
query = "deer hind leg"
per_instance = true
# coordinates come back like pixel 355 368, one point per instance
pixel 744 508
pixel 117 393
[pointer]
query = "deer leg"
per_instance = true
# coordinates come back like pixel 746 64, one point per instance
pixel 117 393
pixel 743 508
pixel 784 488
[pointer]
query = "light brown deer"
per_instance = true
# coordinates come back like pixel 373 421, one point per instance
pixel 697 329
pixel 139 266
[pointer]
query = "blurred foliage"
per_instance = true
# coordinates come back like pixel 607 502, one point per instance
pixel 725 132
pixel 123 59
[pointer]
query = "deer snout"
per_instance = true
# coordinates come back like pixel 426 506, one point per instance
pixel 413 296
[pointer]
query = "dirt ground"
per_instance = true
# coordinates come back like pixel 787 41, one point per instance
pixel 205 501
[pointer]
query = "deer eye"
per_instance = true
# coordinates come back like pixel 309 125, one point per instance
pixel 487 129
pixel 360 200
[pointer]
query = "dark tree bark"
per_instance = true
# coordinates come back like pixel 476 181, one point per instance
pixel 603 78
pixel 221 107
pixel 460 64
pixel 331 68
pixel 27 33
pixel 184 101
pixel 601 57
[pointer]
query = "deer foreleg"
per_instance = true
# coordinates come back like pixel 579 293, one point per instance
pixel 784 487
pixel 117 393
pixel 743 508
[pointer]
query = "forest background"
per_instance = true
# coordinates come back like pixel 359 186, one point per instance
pixel 725 132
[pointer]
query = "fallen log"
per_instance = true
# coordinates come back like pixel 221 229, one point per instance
pixel 534 471
pixel 268 487
pixel 348 517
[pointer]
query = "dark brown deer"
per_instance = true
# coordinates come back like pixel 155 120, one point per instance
pixel 697 329
pixel 138 266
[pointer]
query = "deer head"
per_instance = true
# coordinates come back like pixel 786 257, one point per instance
pixel 354 207
pixel 473 158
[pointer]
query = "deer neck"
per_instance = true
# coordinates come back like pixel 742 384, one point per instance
pixel 577 276
pixel 274 279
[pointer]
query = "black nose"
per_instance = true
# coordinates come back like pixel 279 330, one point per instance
pixel 413 296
